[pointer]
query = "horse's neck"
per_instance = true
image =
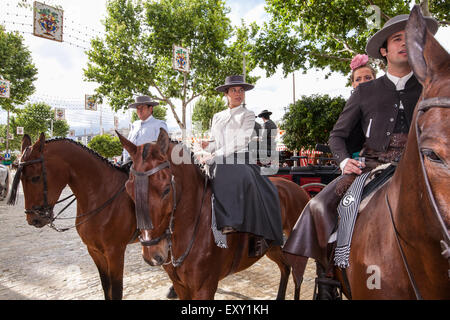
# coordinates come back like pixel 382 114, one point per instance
pixel 88 174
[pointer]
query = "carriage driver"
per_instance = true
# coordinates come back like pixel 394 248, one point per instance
pixel 244 200
pixel 383 108
pixel 146 129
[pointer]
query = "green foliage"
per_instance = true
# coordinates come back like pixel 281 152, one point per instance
pixel 135 57
pixel 36 118
pixel 324 33
pixel 204 110
pixel 106 145
pixel 17 67
pixel 310 120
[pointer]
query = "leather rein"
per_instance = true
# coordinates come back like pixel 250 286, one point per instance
pixel 143 212
pixel 425 105
pixel 46 210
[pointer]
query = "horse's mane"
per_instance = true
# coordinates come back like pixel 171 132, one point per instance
pixel 90 151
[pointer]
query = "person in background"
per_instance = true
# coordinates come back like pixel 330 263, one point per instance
pixel 146 129
pixel 362 71
pixel 269 133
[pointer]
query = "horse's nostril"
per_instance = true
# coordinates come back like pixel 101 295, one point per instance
pixel 159 259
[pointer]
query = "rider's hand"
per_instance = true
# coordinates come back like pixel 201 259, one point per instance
pixel 353 166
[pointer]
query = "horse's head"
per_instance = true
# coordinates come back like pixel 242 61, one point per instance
pixel 151 186
pixel 431 65
pixel 35 176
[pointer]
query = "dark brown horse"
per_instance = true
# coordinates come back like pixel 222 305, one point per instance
pixel 396 245
pixel 179 204
pixel 105 213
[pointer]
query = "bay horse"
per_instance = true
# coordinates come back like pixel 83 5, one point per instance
pixel 400 233
pixel 105 213
pixel 179 235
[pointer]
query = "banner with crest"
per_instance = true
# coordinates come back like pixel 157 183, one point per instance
pixel 5 86
pixel 48 22
pixel 180 59
pixel 89 102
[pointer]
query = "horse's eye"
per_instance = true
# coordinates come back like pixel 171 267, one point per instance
pixel 166 191
pixel 35 179
pixel 431 155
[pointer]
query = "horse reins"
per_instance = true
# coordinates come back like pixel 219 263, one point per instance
pixel 423 106
pixel 143 212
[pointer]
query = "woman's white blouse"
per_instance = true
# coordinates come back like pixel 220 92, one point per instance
pixel 231 131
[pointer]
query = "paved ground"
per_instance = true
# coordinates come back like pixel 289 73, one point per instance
pixel 44 264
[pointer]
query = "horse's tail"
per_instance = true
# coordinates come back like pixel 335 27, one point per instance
pixel 13 195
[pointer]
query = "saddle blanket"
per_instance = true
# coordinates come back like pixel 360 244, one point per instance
pixel 349 206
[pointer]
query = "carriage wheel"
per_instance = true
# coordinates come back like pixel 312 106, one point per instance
pixel 313 188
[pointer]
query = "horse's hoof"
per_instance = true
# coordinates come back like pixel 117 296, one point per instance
pixel 172 294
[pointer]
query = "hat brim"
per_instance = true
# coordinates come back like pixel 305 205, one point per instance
pixel 136 104
pixel 376 41
pixel 263 113
pixel 224 87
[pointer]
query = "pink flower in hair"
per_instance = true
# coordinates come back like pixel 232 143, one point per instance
pixel 358 61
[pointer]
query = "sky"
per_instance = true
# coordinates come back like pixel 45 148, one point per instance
pixel 60 80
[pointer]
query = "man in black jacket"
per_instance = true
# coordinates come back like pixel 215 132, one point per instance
pixel 268 134
pixel 383 108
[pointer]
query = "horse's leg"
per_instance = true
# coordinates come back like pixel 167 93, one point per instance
pixel 115 258
pixel 275 254
pixel 102 266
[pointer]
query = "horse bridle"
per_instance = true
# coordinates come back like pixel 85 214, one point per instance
pixel 46 210
pixel 143 214
pixel 423 106
pixel 142 210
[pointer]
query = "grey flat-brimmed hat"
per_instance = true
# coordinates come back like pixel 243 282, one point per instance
pixel 143 100
pixel 264 112
pixel 235 81
pixel 393 25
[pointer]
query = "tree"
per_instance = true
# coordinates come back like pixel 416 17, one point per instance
pixel 106 145
pixel 310 120
pixel 36 118
pixel 17 67
pixel 326 33
pixel 204 110
pixel 135 56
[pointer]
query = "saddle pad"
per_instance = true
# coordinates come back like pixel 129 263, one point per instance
pixel 348 211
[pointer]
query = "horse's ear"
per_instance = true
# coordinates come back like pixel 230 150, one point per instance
pixel 163 140
pixel 416 36
pixel 41 142
pixel 127 144
pixel 26 142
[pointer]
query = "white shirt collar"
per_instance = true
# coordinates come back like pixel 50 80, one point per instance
pixel 399 82
pixel 235 109
pixel 147 120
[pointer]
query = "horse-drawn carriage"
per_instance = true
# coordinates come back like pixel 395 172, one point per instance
pixel 315 175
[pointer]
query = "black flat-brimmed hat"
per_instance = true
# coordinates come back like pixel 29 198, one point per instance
pixel 235 81
pixel 264 112
pixel 396 24
pixel 143 100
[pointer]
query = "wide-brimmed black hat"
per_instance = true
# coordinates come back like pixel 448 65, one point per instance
pixel 235 81
pixel 264 112
pixel 143 100
pixel 396 24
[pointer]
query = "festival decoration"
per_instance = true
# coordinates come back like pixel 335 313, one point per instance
pixel 5 86
pixel 180 59
pixel 89 102
pixel 48 22
pixel 19 130
pixel 60 114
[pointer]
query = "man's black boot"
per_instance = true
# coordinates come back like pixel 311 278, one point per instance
pixel 326 288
